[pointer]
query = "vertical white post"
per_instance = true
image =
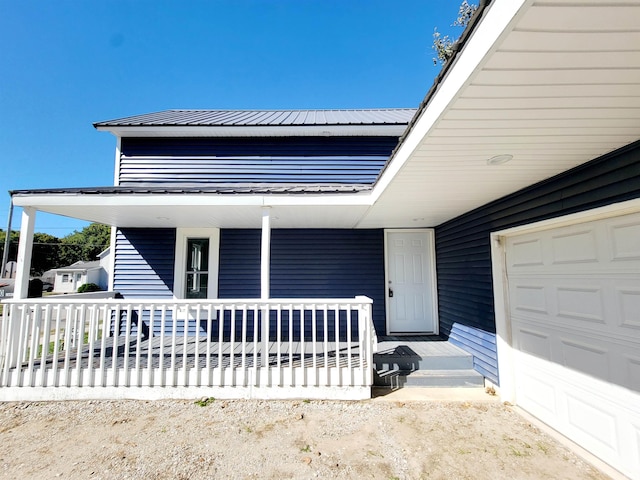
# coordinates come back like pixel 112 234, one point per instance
pixel 24 253
pixel 265 261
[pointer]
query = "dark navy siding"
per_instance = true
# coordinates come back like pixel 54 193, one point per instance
pixel 306 263
pixel 463 254
pixel 347 160
pixel 144 262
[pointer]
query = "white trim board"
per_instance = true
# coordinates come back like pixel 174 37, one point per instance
pixel 182 234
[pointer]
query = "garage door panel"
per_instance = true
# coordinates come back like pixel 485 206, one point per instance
pixel 574 311
pixel 585 356
pixel 601 417
pixel 629 306
pixel 611 358
pixel 571 247
pixel 624 239
pixel 604 245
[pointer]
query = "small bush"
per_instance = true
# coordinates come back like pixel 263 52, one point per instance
pixel 88 287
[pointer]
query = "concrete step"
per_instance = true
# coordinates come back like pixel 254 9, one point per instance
pixel 405 359
pixel 396 378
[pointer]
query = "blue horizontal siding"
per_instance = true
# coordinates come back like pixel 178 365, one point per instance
pixel 306 263
pixel 343 160
pixel 463 251
pixel 144 262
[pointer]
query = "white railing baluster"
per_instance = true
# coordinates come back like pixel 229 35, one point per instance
pixel 185 343
pixel 221 344
pixel 291 369
pixel 279 343
pixel 302 346
pixel 207 366
pixel 326 344
pixel 314 339
pixel 255 345
pixel 148 374
pixel 337 335
pixel 174 346
pixel 93 322
pixel 140 327
pixel 34 344
pixel 163 325
pixel 117 319
pixel 233 346
pixel 46 332
pixel 73 340
pixel 349 346
pixel 106 326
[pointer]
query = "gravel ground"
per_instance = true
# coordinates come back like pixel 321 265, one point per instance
pixel 278 439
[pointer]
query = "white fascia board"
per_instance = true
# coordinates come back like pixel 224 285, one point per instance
pixel 498 20
pixel 255 131
pixel 199 200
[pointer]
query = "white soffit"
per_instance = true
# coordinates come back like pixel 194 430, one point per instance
pixel 185 211
pixel 553 83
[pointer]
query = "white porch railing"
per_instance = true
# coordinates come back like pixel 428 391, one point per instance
pixel 59 348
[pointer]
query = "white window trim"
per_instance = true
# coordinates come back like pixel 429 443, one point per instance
pixel 179 273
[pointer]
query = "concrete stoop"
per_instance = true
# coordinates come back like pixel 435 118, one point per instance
pixel 423 362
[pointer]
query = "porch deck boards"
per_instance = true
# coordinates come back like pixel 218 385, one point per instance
pixel 419 345
pixel 289 356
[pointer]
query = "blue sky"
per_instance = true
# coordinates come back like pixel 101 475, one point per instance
pixel 66 64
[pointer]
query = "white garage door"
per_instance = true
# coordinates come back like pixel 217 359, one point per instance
pixel 574 308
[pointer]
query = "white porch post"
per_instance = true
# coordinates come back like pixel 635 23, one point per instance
pixel 265 263
pixel 25 248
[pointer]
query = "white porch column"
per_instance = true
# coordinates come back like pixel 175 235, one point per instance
pixel 25 248
pixel 265 254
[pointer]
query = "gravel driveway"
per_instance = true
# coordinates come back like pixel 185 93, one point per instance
pixel 374 439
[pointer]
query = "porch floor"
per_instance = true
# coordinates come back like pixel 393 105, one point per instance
pixel 158 353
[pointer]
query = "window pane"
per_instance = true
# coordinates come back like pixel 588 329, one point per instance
pixel 197 255
pixel 197 285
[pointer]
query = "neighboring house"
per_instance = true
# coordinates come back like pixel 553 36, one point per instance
pixel 506 218
pixel 68 279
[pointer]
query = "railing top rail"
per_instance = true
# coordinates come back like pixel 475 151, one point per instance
pixel 64 300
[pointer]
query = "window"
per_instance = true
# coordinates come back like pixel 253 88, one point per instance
pixel 196 268
pixel 197 272
pixel 65 278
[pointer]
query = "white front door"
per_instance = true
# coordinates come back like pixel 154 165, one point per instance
pixel 410 272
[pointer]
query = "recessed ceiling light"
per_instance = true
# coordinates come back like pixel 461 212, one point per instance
pixel 499 159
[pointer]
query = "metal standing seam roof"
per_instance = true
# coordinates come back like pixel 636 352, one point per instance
pixel 235 188
pixel 241 118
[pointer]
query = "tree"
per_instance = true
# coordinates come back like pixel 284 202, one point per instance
pixel 84 245
pixel 44 255
pixel 13 243
pixel 444 46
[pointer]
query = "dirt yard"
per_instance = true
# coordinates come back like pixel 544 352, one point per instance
pixel 241 439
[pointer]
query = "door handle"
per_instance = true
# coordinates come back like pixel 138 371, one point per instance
pixel 390 293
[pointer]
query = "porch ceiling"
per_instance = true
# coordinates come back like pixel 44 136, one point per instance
pixel 553 83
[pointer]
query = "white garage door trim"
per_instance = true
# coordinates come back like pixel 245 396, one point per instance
pixel 626 402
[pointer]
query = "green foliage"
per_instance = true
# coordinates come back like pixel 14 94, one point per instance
pixel 88 287
pixel 205 401
pixel 53 252
pixel 13 245
pixel 84 245
pixel 444 46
